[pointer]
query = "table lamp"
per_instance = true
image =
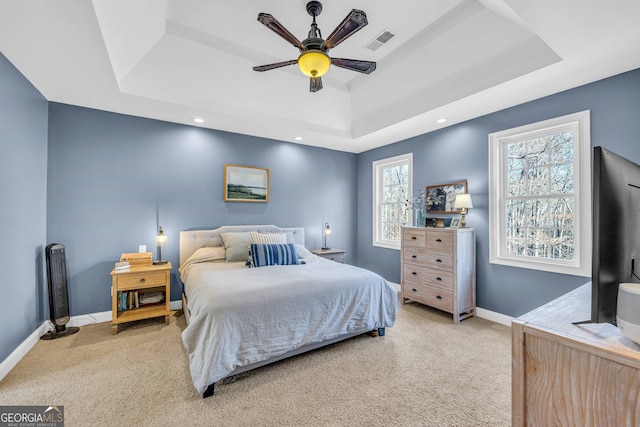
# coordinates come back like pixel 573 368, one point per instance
pixel 463 201
pixel 326 232
pixel 161 241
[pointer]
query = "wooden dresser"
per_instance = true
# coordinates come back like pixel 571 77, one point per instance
pixel 439 269
pixel 573 375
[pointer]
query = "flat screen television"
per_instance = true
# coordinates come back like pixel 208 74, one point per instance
pixel 616 230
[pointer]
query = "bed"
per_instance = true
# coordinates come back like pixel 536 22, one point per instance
pixel 242 316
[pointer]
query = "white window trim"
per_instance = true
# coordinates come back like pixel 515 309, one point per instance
pixel 377 166
pixel 581 266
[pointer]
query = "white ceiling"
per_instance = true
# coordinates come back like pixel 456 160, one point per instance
pixel 177 59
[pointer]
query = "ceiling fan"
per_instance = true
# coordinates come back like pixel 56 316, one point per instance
pixel 314 60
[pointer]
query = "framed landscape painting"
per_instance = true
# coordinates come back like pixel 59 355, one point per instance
pixel 440 198
pixel 246 184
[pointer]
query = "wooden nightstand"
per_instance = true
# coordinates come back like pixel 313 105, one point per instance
pixel 337 255
pixel 132 283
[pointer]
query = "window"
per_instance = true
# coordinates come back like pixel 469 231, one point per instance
pixel 540 196
pixel 392 186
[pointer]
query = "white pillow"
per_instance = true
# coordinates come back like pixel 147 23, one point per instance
pixel 268 238
pixel 207 254
pixel 237 245
pixel 302 251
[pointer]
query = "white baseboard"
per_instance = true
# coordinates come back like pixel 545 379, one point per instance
pixel 16 356
pixel 493 316
pixel 81 320
pixel 483 313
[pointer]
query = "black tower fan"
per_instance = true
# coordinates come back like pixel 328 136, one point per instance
pixel 58 296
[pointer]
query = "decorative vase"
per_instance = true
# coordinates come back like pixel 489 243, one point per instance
pixel 418 218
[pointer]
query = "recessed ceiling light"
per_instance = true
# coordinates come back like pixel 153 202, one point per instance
pixel 441 120
pixel 298 138
pixel 198 120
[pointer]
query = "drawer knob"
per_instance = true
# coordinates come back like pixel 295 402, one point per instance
pixel 413 256
pixel 414 273
pixel 438 260
pixel 414 290
pixel 413 237
pixel 142 280
pixel 438 296
pixel 438 240
pixel 439 279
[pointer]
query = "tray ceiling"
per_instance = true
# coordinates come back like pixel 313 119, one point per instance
pixel 177 59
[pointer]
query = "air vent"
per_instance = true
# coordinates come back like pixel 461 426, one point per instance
pixel 380 39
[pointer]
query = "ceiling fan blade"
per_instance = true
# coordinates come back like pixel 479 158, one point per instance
pixel 315 84
pixel 275 65
pixel 353 22
pixel 275 26
pixel 365 67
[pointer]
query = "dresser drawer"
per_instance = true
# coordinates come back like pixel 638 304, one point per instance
pixel 429 295
pixel 424 275
pixel 439 260
pixel 414 255
pixel 439 240
pixel 413 237
pixel 427 257
pixel 137 280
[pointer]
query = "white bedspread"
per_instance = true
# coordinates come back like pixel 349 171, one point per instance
pixel 241 316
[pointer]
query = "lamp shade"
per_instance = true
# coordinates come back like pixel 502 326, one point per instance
pixel 314 63
pixel 161 238
pixel 463 201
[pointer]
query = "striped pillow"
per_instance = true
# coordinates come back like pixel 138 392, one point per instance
pixel 274 238
pixel 270 254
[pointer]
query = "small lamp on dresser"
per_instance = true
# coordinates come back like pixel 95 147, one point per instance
pixel 161 241
pixel 463 201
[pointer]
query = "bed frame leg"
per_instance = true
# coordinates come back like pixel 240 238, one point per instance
pixel 208 392
pixel 380 332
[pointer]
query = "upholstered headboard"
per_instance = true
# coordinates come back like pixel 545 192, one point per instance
pixel 192 240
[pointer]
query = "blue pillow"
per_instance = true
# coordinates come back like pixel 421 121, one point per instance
pixel 273 254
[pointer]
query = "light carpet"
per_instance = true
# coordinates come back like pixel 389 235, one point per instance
pixel 426 371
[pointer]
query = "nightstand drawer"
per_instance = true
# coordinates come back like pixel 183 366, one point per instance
pixel 429 295
pixel 337 255
pixel 138 280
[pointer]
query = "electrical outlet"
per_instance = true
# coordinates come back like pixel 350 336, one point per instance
pixel 142 249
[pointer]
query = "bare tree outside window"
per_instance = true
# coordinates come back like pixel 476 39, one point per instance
pixel 394 213
pixel 540 195
pixel 540 200
pixel 392 188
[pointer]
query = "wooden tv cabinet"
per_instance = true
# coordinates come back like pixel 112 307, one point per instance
pixel 573 375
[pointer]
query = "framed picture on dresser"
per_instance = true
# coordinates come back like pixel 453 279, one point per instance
pixel 455 223
pixel 440 198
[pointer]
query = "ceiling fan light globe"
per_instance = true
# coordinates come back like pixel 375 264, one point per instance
pixel 314 63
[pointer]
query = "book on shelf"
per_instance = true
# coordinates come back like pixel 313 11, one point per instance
pixel 128 300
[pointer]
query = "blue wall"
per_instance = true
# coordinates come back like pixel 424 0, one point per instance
pixel 460 152
pixel 109 179
pixel 23 186
pixel 112 178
